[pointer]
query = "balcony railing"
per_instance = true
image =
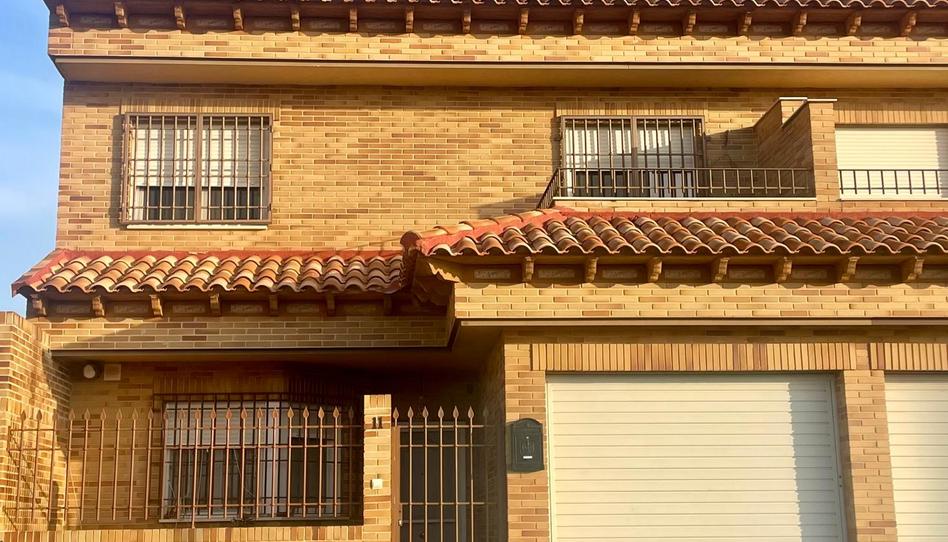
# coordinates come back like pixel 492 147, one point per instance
pixel 187 465
pixel 678 183
pixel 894 183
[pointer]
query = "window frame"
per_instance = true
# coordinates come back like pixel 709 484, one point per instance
pixel 344 475
pixel 700 155
pixel 266 201
pixel 895 193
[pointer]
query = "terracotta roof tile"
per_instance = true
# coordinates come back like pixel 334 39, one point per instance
pixel 675 3
pixel 563 231
pixel 67 271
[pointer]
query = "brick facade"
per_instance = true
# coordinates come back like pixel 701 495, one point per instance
pixel 473 153
pixel 355 167
pixel 827 50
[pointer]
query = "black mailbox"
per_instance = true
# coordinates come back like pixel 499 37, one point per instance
pixel 525 446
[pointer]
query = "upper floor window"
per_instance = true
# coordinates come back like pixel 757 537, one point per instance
pixel 632 156
pixel 197 169
pixel 900 162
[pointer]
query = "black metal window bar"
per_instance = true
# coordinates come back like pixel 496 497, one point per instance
pixel 259 460
pixel 894 183
pixel 602 155
pixel 656 157
pixel 197 169
pixel 442 476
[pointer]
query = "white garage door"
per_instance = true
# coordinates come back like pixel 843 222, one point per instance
pixel 918 432
pixel 693 458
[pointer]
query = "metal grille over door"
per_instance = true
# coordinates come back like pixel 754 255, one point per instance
pixel 442 466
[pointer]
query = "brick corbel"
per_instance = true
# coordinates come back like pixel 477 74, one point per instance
pixel 907 24
pixel 799 23
pixel 912 268
pixel 179 18
pixel 63 15
pixel 635 19
pixel 121 15
pixel 654 269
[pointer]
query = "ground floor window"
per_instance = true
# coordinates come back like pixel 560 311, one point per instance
pixel 239 459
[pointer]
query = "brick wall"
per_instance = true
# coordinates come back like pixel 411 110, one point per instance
pixel 243 332
pixel 657 300
pixel 497 48
pixel 864 454
pixel 33 390
pixel 377 518
pixel 863 427
pixel 358 166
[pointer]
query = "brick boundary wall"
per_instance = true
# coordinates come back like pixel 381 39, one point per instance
pixel 866 469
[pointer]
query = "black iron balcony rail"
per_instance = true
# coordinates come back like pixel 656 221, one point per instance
pixel 893 183
pixel 678 183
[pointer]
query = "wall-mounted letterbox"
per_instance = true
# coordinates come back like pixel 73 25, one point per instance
pixel 524 446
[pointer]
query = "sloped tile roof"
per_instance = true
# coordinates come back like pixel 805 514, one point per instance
pixel 72 271
pixel 562 231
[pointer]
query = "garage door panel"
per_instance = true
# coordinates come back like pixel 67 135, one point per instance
pixel 582 400
pixel 576 455
pixel 633 406
pixel 693 428
pixel 691 498
pixel 718 473
pixel 731 507
pixel 668 458
pixel 904 439
pixel 716 462
pixel 705 416
pixel 619 486
pixel 917 407
pixel 634 518
pixel 582 441
pixel 699 533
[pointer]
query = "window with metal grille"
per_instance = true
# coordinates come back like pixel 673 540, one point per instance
pixel 260 459
pixel 197 169
pixel 631 156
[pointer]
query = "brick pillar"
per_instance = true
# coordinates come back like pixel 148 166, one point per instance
pixel 31 384
pixel 379 502
pixel 528 494
pixel 864 455
pixel 822 124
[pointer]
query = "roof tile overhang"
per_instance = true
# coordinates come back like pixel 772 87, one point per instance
pixel 548 232
pixel 633 3
pixel 568 232
pixel 66 271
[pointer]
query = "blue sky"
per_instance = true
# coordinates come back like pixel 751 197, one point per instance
pixel 31 109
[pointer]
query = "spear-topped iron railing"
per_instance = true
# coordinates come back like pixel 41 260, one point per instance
pixel 442 474
pixel 217 462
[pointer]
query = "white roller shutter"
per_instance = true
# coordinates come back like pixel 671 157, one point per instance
pixel 918 431
pixel 693 458
pixel 892 161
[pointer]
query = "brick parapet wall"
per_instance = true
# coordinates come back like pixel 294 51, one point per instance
pixel 657 300
pixel 243 332
pixel 33 389
pixel 496 48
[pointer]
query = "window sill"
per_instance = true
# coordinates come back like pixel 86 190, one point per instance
pixel 205 227
pixel 689 199
pixel 893 197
